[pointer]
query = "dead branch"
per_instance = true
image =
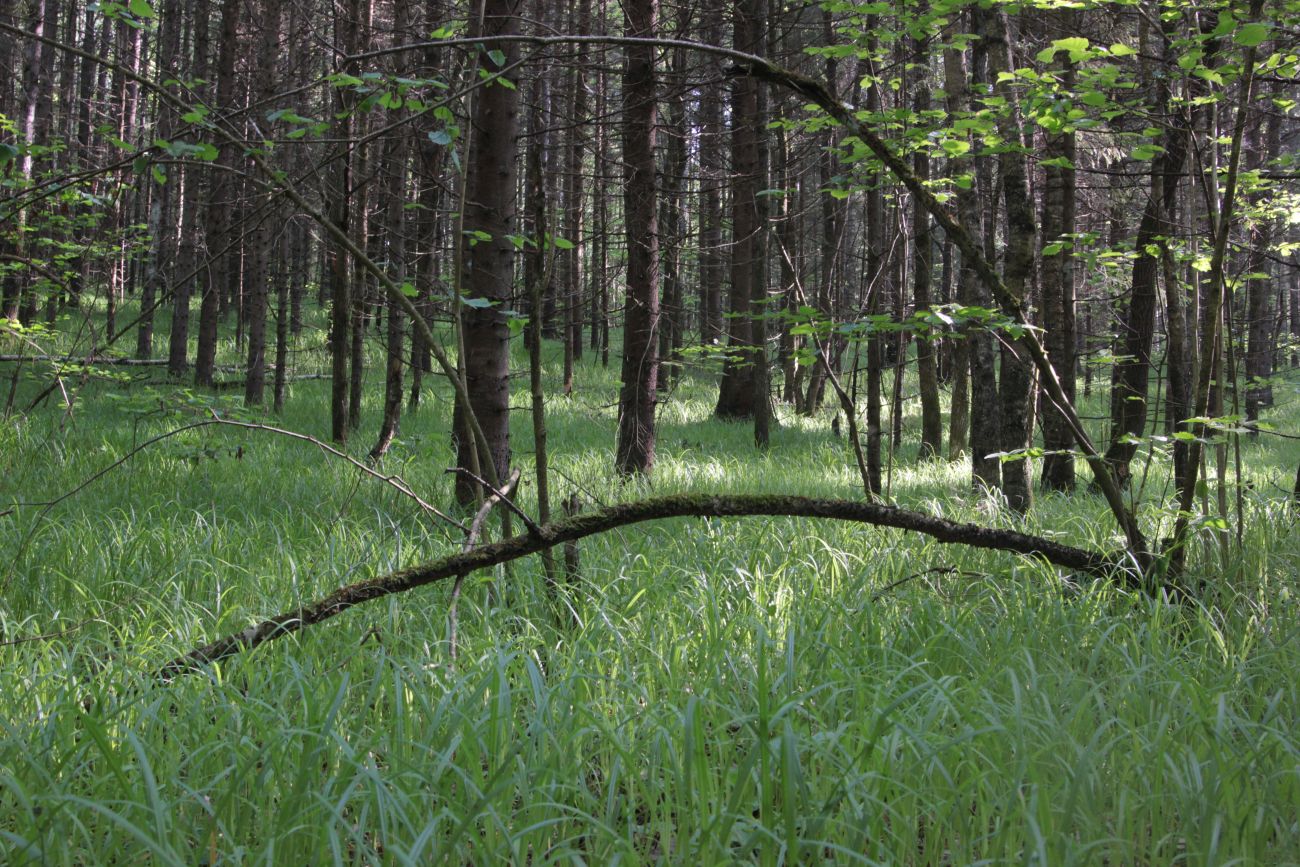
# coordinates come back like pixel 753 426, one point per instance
pixel 1112 566
pixel 470 543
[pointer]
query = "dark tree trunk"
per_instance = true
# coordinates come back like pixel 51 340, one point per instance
pixel 711 180
pixel 985 426
pixel 737 390
pixel 636 404
pixel 968 286
pixel 1015 384
pixel 1132 372
pixel 222 228
pixel 671 224
pixel 922 268
pixel 1260 290
pixel 260 250
pixel 488 266
pixel 394 242
pixel 1058 300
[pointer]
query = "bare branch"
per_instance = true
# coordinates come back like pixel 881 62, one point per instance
pixel 686 505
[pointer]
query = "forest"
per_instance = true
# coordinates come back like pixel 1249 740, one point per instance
pixel 665 431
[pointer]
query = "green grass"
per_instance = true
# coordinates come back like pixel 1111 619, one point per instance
pixel 733 691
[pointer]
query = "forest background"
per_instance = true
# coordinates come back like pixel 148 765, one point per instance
pixel 990 311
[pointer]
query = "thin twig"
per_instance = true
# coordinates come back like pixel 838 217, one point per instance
pixel 50 636
pixel 533 528
pixel 937 570
pixel 471 541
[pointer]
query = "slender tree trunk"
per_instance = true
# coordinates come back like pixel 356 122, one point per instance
pixel 985 428
pixel 671 224
pixel 737 390
pixel 260 250
pixel 223 231
pixel 394 240
pixel 1058 297
pixel 636 404
pixel 711 151
pixel 1260 290
pixel 488 266
pixel 922 270
pixel 1015 385
pixel 14 298
pixel 1132 372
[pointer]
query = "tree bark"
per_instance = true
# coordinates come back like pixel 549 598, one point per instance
pixel 488 265
pixel 736 391
pixel 260 250
pixel 1132 372
pixel 927 373
pixel 223 230
pixel 636 404
pixel 684 505
pixel 1058 297
pixel 1015 385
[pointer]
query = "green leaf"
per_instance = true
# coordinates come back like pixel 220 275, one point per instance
pixel 141 8
pixel 8 153
pixel 1075 46
pixel 1146 151
pixel 409 290
pixel 476 303
pixel 1250 35
pixel 159 175
pixel 440 137
pixel 497 56
pixel 562 243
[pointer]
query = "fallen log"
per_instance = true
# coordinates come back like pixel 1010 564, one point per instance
pixel 1112 566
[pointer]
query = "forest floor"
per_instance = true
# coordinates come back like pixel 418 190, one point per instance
pixel 750 690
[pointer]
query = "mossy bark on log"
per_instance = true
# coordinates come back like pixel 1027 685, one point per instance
pixel 680 506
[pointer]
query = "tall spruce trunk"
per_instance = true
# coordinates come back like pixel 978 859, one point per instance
pixel 488 266
pixel 927 373
pixel 1015 385
pixel 640 371
pixel 1058 299
pixel 261 248
pixel 223 230
pixel 736 391
pixel 1130 379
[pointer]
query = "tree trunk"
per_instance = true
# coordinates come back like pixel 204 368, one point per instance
pixel 223 230
pixel 1015 385
pixel 922 268
pixel 636 404
pixel 488 265
pixel 1058 296
pixel 260 250
pixel 1132 372
pixel 737 391
pixel 711 180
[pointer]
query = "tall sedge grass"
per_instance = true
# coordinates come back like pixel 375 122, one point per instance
pixel 731 692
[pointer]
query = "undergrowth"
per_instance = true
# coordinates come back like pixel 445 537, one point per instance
pixel 704 692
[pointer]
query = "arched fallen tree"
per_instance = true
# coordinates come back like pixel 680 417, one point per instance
pixel 1112 566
